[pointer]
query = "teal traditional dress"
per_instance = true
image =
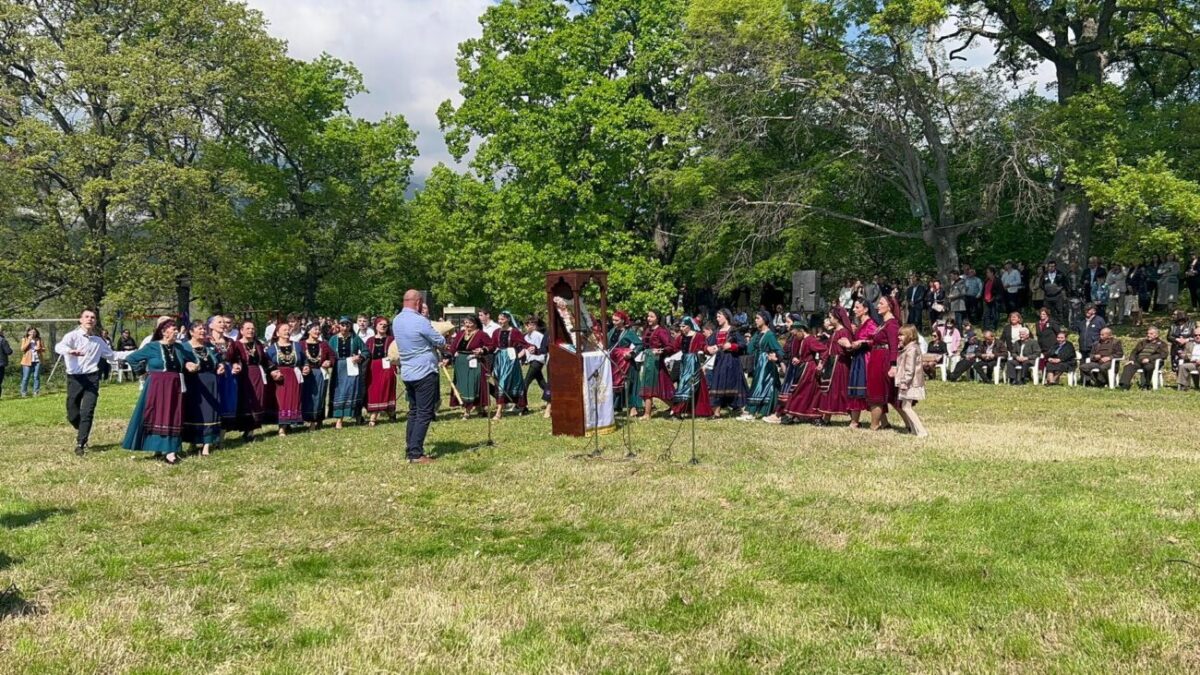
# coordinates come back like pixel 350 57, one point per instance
pixel 510 381
pixel 764 387
pixel 157 422
pixel 348 379
pixel 624 345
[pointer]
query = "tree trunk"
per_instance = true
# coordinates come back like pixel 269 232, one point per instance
pixel 945 251
pixel 1072 228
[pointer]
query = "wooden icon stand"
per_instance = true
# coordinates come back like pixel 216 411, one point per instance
pixel 565 367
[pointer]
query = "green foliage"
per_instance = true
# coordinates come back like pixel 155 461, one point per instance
pixel 1149 207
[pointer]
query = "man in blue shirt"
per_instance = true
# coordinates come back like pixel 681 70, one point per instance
pixel 418 343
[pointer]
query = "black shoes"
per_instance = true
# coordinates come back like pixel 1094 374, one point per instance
pixel 79 449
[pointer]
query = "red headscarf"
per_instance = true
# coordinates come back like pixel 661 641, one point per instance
pixel 894 307
pixel 622 315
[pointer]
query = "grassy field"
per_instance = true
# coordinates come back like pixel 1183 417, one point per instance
pixel 1035 530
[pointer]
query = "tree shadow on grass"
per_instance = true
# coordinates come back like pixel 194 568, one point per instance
pixel 12 521
pixel 7 561
pixel 13 604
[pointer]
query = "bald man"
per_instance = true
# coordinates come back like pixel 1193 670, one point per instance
pixel 418 343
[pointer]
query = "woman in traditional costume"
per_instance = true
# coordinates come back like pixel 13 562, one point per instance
pixel 692 388
pixel 766 353
pixel 726 381
pixel 287 378
pixel 881 365
pixel 623 345
pixel 315 392
pixel 796 332
pixel 157 422
pixel 252 381
pixel 202 399
pixel 864 331
pixel 351 355
pixel 467 349
pixel 381 372
pixel 834 398
pixel 655 381
pixel 510 347
pixel 227 379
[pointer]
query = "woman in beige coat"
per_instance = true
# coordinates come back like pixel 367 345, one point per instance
pixel 910 379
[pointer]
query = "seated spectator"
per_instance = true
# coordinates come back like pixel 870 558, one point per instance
pixel 991 351
pixel 951 336
pixel 1180 332
pixel 1021 357
pixel 1061 359
pixel 968 330
pixel 1142 359
pixel 1107 348
pixel 934 354
pixel 970 354
pixel 126 343
pixel 1189 361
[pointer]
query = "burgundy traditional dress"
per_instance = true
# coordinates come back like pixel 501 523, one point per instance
pixel 381 378
pixel 286 394
pixel 881 389
pixel 857 391
pixel 803 401
pixel 835 377
pixel 656 381
pixel 471 380
pixel 691 374
pixel 252 384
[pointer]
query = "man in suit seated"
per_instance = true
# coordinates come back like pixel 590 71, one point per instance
pixel 980 357
pixel 1061 359
pixel 1189 361
pixel 1021 357
pixel 970 354
pixel 1089 330
pixel 1147 350
pixel 1104 351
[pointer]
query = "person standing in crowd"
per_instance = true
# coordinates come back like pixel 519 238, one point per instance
pixel 796 333
pixel 1107 348
pixel 486 324
pixel 535 358
pixel 315 392
pixel 974 287
pixel 726 381
pixel 1189 362
pixel 82 351
pixel 1010 279
pixel 362 328
pixel 273 321
pixel 1012 332
pixel 418 344
pixel 1116 283
pixel 993 296
pixel 467 349
pixel 833 398
pixel 228 353
pixel 881 363
pixel 6 351
pixel 1061 359
pixel 909 380
pixel 509 347
pixel 846 294
pixel 623 345
pixel 1191 278
pixel 381 372
pixel 1056 287
pixel 916 298
pixel 1179 332
pixel 1036 293
pixel 806 388
pixel 864 328
pixel 1143 358
pixel 1135 284
pixel 1089 332
pixel 33 353
pixel 691 395
pixel 350 352
pixel 287 375
pixel 1046 331
pixel 1152 270
pixel 655 380
pixel 1093 275
pixel 1168 283
pixel 937 301
pixel 125 342
pixel 765 353
pixel 956 295
pixel 202 396
pixel 252 380
pixel 157 422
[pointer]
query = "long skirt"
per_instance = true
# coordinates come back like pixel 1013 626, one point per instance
pixel 313 395
pixel 691 375
pixel 727 382
pixel 834 398
pixel 655 380
pixel 626 381
pixel 202 409
pixel 857 389
pixel 790 377
pixel 471 383
pixel 157 422
pixel 347 391
pixel 510 381
pixel 803 400
pixel 287 397
pixel 227 396
pixel 381 387
pixel 881 389
pixel 251 399
pixel 764 393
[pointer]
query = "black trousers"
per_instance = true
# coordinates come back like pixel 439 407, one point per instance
pixel 1096 373
pixel 535 373
pixel 914 315
pixel 82 393
pixel 424 395
pixel 1018 373
pixel 1193 286
pixel 3 369
pixel 1129 370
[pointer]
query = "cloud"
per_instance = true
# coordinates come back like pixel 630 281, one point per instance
pixel 405 50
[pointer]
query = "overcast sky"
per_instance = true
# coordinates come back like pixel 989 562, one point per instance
pixel 405 50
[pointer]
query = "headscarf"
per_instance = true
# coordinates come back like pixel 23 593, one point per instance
pixel 164 322
pixel 311 325
pixel 512 321
pixel 796 317
pixel 623 316
pixel 690 323
pixel 894 307
pixel 346 320
pixel 840 314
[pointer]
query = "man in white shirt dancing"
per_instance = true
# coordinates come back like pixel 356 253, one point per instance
pixel 82 349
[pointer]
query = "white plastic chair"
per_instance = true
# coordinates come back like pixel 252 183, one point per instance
pixel 1157 379
pixel 1114 369
pixel 120 369
pixel 999 373
pixel 947 365
pixel 1036 376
